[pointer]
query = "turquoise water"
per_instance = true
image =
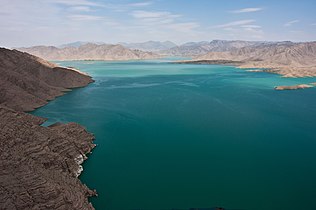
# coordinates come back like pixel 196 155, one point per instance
pixel 183 136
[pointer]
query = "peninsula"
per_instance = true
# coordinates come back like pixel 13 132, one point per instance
pixel 285 58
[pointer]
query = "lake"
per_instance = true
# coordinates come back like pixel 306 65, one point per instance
pixel 176 136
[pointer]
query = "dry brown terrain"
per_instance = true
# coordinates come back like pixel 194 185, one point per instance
pixel 88 52
pixel 287 59
pixel 200 48
pixel 27 82
pixel 39 165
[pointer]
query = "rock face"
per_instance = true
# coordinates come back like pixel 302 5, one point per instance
pixel 38 168
pixel 88 52
pixel 39 165
pixel 27 82
pixel 285 58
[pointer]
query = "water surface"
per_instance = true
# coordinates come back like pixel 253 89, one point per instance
pixel 181 136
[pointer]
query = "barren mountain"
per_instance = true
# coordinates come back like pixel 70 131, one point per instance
pixel 150 46
pixel 27 82
pixel 286 58
pixel 78 44
pixel 200 48
pixel 88 52
pixel 39 165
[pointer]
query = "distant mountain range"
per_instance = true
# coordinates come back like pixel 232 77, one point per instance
pixel 78 44
pixel 150 46
pixel 199 48
pixel 190 49
pixel 286 58
pixel 127 51
pixel 88 51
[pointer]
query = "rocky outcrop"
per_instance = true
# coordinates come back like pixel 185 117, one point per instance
pixel 39 165
pixel 27 82
pixel 89 51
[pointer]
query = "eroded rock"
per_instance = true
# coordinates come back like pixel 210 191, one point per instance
pixel 39 165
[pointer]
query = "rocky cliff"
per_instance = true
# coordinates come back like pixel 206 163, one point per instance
pixel 39 165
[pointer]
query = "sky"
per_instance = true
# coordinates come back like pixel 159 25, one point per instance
pixel 56 22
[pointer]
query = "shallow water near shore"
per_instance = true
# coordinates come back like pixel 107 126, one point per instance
pixel 175 136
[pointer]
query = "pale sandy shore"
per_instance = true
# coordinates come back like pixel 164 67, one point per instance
pixel 293 87
pixel 285 71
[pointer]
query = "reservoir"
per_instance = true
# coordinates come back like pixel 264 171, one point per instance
pixel 176 136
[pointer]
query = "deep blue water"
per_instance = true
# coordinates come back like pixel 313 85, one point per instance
pixel 181 136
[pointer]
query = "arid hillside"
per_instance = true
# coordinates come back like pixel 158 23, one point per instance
pixel 39 166
pixel 27 82
pixel 285 58
pixel 88 51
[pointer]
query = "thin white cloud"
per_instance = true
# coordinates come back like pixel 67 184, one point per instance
pixel 154 18
pixel 149 14
pixel 254 30
pixel 234 23
pixel 313 24
pixel 246 10
pixel 84 17
pixel 81 9
pixel 117 7
pixel 241 29
pixel 244 32
pixel 251 26
pixel 76 3
pixel 140 4
pixel 290 23
pixel 166 24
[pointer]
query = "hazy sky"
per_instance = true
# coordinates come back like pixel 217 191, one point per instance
pixel 54 22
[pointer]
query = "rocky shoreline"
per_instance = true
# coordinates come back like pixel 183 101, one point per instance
pixel 211 62
pixel 240 64
pixel 294 87
pixel 39 166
